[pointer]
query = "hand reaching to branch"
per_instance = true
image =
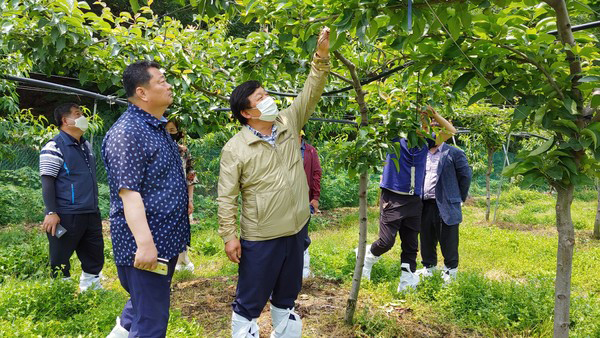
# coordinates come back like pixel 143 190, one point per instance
pixel 323 43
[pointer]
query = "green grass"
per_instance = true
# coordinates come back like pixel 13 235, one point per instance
pixel 536 209
pixel 505 286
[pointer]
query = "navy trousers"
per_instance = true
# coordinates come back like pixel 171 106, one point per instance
pixel 83 236
pixel 146 313
pixel 434 230
pixel 270 270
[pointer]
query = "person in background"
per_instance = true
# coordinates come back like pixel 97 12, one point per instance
pixel 312 168
pixel 401 204
pixel 70 193
pixel 149 202
pixel 184 262
pixel 263 163
pixel 447 181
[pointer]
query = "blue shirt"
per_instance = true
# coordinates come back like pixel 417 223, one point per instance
pixel 409 177
pixel 140 155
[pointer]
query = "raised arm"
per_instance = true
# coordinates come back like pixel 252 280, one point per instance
pixel 304 105
pixel 447 130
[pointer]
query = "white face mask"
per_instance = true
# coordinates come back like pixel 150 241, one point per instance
pixel 268 109
pixel 81 123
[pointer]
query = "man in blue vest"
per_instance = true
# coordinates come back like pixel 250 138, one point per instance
pixel 401 205
pixel 70 192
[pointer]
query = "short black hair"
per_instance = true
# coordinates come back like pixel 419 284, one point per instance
pixel 239 99
pixel 136 74
pixel 62 111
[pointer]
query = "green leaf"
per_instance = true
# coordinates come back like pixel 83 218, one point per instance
pixel 567 123
pixel 521 112
pixel 476 98
pixel 361 28
pixel 454 27
pixel 345 22
pixel 60 44
pixel 398 43
pixel 595 101
pixel 439 69
pixel 340 40
pixel 462 81
pixel 592 135
pixel 570 164
pixel 83 5
pixel 510 169
pixel 543 148
pixel 590 78
pixel 135 6
pixel 310 44
pixel 571 105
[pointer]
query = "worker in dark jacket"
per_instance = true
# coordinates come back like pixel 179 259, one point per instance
pixel 447 181
pixel 70 192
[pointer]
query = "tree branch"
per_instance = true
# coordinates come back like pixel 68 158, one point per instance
pixel 341 77
pixel 565 34
pixel 209 93
pixel 360 94
pixel 523 57
pixel 539 66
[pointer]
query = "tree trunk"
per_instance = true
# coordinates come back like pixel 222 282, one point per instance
pixel 362 243
pixel 488 174
pixel 564 260
pixel 362 194
pixel 597 222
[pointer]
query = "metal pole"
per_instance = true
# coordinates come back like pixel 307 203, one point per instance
pixel 579 27
pixel 45 84
pixel 500 183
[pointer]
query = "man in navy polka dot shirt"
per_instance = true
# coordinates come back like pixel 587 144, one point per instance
pixel 149 201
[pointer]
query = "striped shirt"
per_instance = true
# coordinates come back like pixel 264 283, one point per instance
pixel 51 160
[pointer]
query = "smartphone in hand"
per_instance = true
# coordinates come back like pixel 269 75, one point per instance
pixel 59 231
pixel 162 268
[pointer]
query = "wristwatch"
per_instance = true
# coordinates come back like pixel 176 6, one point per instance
pixel 50 213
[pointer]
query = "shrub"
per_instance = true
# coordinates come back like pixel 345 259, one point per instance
pixel 22 177
pixel 53 308
pixel 23 254
pixel 475 300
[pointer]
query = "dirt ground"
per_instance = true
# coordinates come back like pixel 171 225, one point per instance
pixel 321 304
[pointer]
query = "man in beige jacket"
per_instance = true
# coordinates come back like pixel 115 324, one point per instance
pixel 263 162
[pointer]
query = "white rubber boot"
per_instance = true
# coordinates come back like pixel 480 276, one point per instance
pixel 306 268
pixel 407 279
pixel 286 323
pixel 448 275
pixel 426 272
pixel 87 281
pixel 184 262
pixel 118 331
pixel 370 260
pixel 243 328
